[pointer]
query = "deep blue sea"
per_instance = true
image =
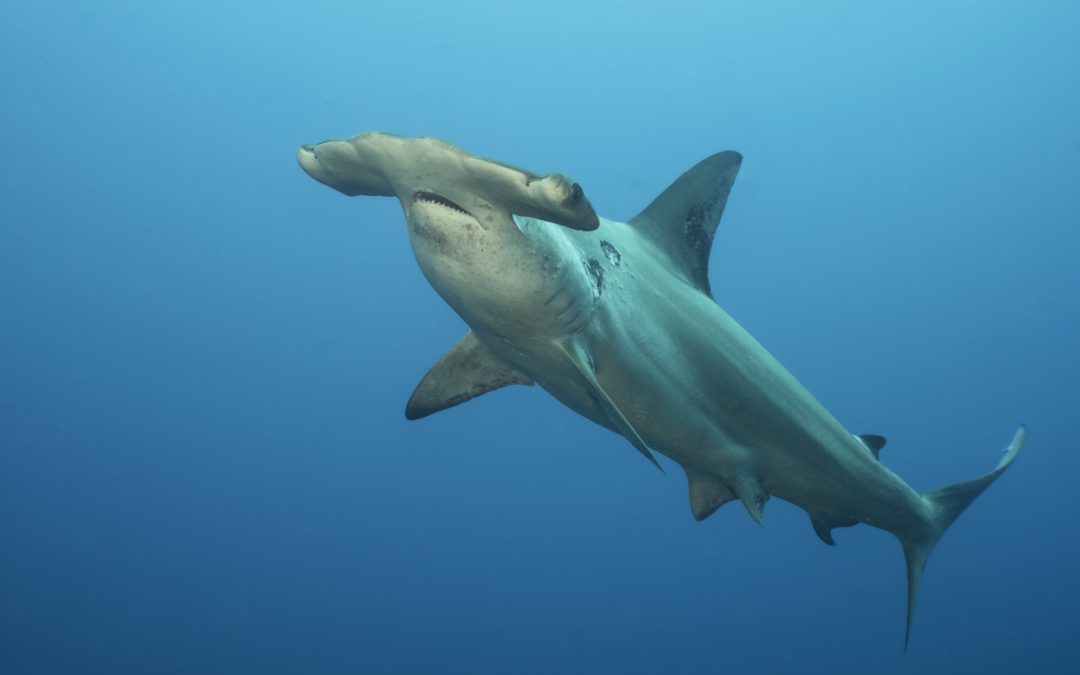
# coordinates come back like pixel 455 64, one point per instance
pixel 205 355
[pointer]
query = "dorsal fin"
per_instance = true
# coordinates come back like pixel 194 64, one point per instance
pixel 468 370
pixel 683 219
pixel 874 442
pixel 706 494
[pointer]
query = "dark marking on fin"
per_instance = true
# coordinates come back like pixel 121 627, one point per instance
pixel 683 219
pixel 694 231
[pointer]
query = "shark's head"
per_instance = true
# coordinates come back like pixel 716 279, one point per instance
pixel 430 177
pixel 464 214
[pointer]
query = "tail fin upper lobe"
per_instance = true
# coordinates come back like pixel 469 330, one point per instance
pixel 946 504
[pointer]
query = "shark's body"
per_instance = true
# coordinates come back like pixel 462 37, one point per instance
pixel 616 321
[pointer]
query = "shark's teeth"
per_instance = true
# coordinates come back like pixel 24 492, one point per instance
pixel 438 200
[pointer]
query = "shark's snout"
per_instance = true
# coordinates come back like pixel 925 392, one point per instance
pixel 339 165
pixel 309 162
pixel 323 162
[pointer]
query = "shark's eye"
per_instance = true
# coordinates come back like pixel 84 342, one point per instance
pixel 576 193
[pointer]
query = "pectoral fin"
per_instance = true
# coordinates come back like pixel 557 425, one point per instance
pixel 582 363
pixel 468 370
pixel 706 494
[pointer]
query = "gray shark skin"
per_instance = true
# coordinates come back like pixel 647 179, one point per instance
pixel 616 321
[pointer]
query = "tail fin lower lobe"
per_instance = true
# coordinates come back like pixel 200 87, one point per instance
pixel 946 505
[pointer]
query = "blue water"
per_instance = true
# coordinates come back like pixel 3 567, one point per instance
pixel 205 355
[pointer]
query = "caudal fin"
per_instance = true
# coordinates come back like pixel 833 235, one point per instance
pixel 946 505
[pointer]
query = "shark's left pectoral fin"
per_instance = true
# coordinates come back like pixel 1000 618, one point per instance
pixel 577 356
pixel 468 370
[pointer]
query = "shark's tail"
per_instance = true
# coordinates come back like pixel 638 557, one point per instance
pixel 945 505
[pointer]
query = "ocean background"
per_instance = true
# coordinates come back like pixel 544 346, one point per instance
pixel 205 355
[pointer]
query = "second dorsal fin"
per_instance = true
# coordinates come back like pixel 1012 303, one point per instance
pixel 683 219
pixel 873 442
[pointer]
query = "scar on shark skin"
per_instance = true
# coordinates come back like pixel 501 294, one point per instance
pixel 596 274
pixel 611 253
pixel 649 357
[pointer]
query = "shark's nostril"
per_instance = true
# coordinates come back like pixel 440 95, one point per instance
pixel 576 193
pixel 307 151
pixel 309 161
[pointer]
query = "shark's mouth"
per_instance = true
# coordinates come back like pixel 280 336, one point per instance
pixel 438 200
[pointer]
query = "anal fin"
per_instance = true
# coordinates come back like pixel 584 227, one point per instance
pixel 823 526
pixel 468 370
pixel 581 363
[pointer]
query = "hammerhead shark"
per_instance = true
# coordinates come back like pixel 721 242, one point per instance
pixel 617 321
